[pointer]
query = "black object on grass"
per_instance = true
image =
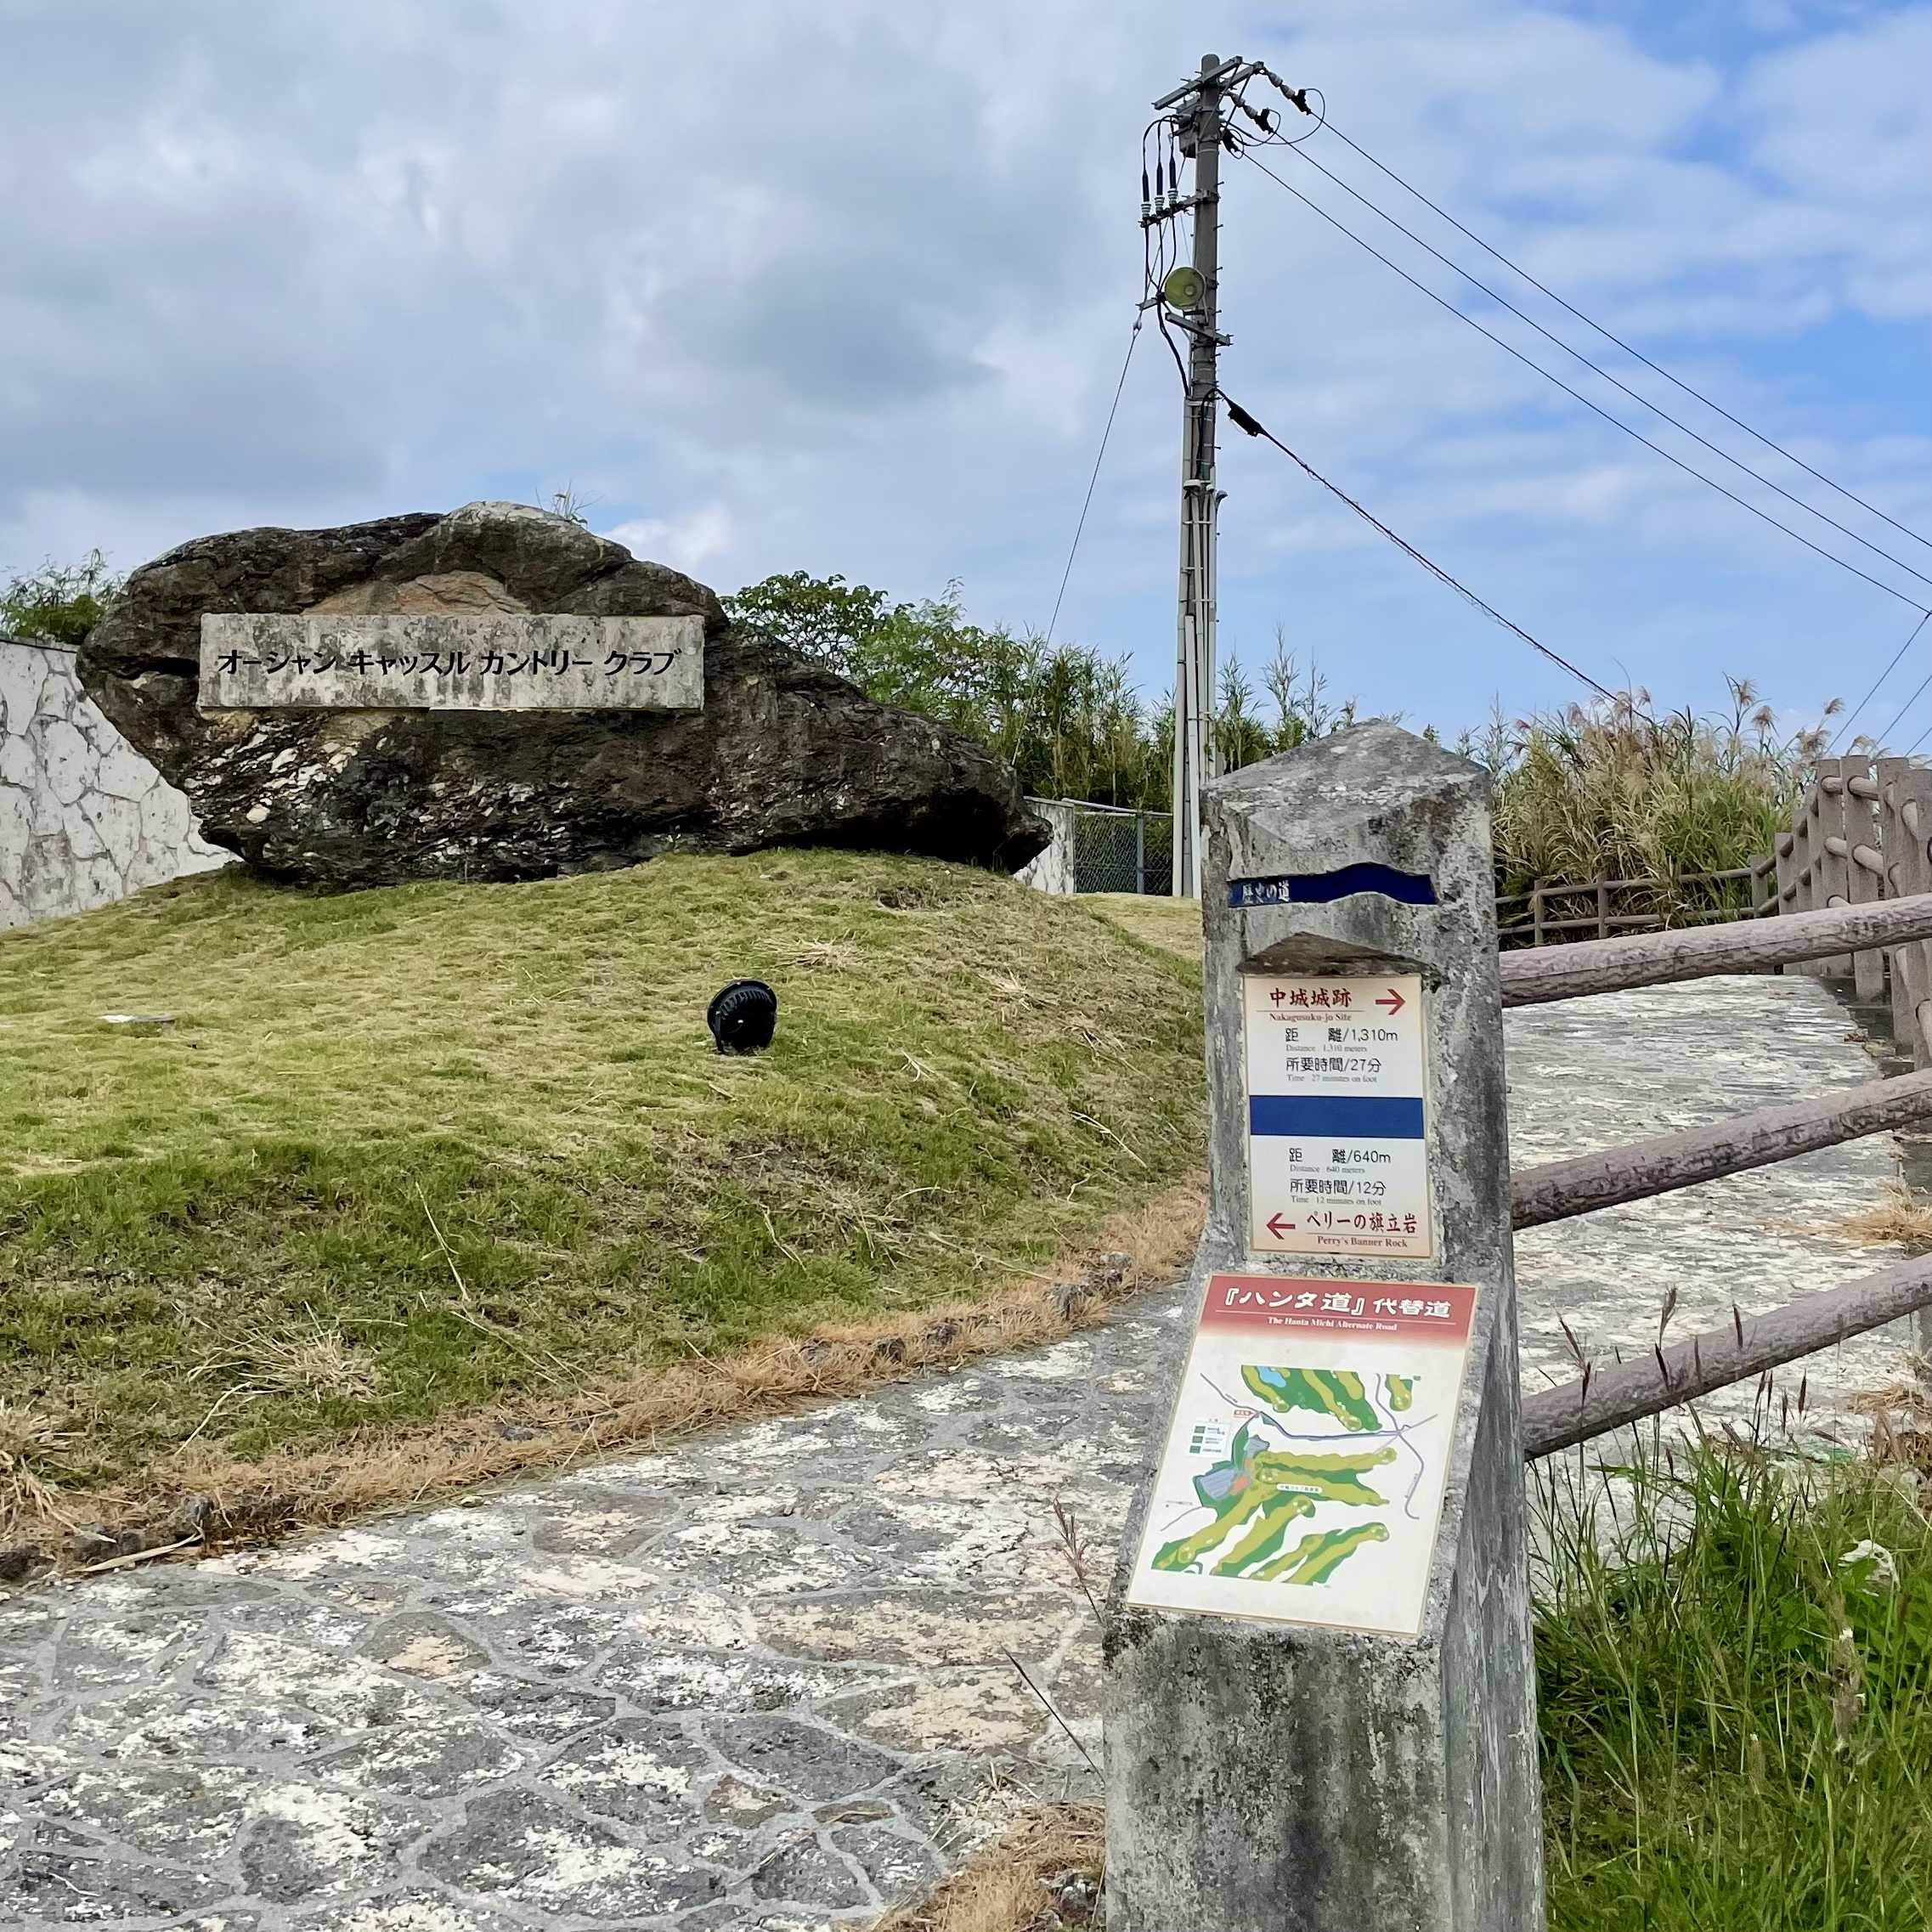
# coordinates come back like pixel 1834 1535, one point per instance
pixel 743 1016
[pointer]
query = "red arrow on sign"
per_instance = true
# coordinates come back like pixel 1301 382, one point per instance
pixel 1394 1001
pixel 1277 1226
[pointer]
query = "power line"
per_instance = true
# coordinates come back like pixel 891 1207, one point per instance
pixel 1612 336
pixel 1636 396
pixel 1876 682
pixel 1134 336
pixel 1628 349
pixel 1903 709
pixel 1577 395
pixel 1242 420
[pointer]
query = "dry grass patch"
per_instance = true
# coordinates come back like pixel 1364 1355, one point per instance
pixel 30 1441
pixel 1901 1215
pixel 1019 1883
pixel 410 1160
pixel 221 1500
pixel 1173 924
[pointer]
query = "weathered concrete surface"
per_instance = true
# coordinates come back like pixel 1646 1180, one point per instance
pixel 84 818
pixel 764 1682
pixel 1407 1796
pixel 1051 869
pixel 451 661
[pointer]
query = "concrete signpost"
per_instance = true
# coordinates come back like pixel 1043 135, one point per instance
pixel 1320 1701
pixel 492 660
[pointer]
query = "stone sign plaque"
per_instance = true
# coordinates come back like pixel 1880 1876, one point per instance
pixel 1320 1683
pixel 492 660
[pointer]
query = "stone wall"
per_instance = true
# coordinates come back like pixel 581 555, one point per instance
pixel 84 818
pixel 1053 870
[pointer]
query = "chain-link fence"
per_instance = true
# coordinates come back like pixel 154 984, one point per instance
pixel 1100 848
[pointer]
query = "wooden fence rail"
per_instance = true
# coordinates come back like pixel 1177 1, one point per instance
pixel 1605 1398
pixel 1543 915
pixel 1698 953
pixel 1851 899
pixel 1770 1134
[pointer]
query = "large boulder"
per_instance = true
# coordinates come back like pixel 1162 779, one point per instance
pixel 783 753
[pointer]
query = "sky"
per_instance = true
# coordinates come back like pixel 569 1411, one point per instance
pixel 846 288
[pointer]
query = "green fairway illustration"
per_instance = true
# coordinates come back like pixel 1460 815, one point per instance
pixel 1316 1558
pixel 1270 1480
pixel 1335 1393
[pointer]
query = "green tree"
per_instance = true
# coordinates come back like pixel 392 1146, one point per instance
pixel 1065 718
pixel 59 603
pixel 822 618
pixel 1302 709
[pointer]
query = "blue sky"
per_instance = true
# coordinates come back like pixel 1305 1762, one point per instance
pixel 846 289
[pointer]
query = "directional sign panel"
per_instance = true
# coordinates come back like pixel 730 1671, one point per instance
pixel 1338 1107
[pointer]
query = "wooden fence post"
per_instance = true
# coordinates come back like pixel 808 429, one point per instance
pixel 1804 875
pixel 1906 790
pixel 1865 867
pixel 1830 882
pixel 1319 1698
pixel 1784 867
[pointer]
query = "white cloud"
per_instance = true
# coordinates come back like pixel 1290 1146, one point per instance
pixel 687 543
pixel 1844 123
pixel 849 287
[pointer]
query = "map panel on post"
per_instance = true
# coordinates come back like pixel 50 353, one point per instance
pixel 1305 1466
pixel 490 661
pixel 1337 1115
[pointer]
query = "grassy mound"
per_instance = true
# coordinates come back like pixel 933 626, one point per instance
pixel 405 1153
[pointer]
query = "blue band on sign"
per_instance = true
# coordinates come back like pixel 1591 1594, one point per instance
pixel 1322 888
pixel 1346 1116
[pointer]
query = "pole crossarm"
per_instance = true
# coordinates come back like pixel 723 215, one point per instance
pixel 1601 1400
pixel 1563 1188
pixel 1533 978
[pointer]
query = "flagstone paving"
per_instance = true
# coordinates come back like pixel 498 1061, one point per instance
pixel 774 1678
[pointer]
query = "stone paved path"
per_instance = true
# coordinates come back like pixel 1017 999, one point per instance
pixel 768 1680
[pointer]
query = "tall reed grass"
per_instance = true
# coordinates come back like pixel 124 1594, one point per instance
pixel 1610 791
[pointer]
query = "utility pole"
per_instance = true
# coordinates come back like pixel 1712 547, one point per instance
pixel 1191 298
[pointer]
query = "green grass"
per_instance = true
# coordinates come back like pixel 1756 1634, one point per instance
pixel 233 1231
pixel 1737 1722
pixel 1736 1725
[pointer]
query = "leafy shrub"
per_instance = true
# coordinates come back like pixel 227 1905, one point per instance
pixel 59 603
